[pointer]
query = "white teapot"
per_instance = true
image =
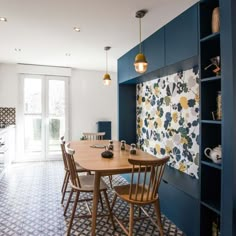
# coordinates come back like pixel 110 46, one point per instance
pixel 214 154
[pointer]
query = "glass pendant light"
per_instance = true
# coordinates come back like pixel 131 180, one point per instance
pixel 140 63
pixel 107 77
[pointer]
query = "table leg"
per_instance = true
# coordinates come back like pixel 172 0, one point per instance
pixel 95 202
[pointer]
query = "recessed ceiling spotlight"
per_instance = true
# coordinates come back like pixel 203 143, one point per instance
pixel 17 49
pixel 68 54
pixel 77 29
pixel 3 19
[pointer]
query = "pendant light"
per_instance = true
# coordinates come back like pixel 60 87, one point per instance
pixel 140 63
pixel 106 77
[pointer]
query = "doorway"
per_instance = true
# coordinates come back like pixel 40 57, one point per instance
pixel 45 117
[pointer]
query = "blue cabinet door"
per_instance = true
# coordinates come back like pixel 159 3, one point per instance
pixel 181 36
pixel 154 50
pixel 132 54
pixel 123 68
pixel 126 69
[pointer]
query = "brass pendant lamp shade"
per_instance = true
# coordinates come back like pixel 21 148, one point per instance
pixel 107 77
pixel 140 63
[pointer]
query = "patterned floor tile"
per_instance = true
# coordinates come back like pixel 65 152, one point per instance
pixel 30 205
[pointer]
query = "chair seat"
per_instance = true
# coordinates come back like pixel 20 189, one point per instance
pixel 87 183
pixel 80 169
pixel 123 192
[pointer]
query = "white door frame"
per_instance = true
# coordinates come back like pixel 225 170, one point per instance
pixel 20 121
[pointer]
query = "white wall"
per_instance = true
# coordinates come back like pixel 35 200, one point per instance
pixel 8 85
pixel 91 101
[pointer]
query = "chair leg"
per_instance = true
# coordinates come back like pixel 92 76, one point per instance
pixel 139 211
pixel 64 181
pixel 73 213
pixel 100 197
pixel 68 201
pixel 113 201
pixel 131 219
pixel 109 209
pixel 110 180
pixel 158 214
pixel 65 187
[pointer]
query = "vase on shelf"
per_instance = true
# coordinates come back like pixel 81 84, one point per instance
pixel 215 20
pixel 219 106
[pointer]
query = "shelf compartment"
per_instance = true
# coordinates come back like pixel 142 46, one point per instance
pixel 206 8
pixel 217 122
pixel 210 37
pixel 209 49
pixel 208 216
pixel 210 137
pixel 211 164
pixel 212 207
pixel 209 93
pixel 209 79
pixel 211 186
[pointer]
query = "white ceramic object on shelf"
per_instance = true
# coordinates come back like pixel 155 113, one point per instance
pixel 214 154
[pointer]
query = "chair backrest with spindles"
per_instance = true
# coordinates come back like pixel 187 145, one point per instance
pixel 63 151
pixel 94 136
pixel 74 178
pixel 148 175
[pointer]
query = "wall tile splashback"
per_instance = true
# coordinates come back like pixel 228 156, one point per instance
pixel 7 115
pixel 168 119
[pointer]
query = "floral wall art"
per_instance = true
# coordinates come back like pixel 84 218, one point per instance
pixel 168 119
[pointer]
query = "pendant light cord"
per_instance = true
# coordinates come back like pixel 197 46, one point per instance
pixel 140 38
pixel 106 62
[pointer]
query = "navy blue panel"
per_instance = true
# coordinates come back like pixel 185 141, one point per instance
pixel 132 54
pixel 123 68
pixel 228 62
pixel 182 181
pixel 183 65
pixel 154 50
pixel 105 126
pixel 181 36
pixel 180 208
pixel 127 113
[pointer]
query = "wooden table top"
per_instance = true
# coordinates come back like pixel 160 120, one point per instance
pixel 90 158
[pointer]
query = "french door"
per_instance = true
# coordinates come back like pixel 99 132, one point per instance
pixel 44 116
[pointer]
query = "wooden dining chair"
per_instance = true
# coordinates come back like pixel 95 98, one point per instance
pixel 94 136
pixel 79 169
pixel 83 184
pixel 142 190
pixel 97 136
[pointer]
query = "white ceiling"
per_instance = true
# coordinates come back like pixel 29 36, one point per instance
pixel 43 29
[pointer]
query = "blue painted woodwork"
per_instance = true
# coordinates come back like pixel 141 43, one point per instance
pixel 181 36
pixel 180 207
pixel 105 126
pixel 154 49
pixel 123 68
pixel 180 201
pixel 228 58
pixel 132 54
pixel 127 113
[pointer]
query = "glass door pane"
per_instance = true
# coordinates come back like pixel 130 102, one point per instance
pixel 56 115
pixel 33 116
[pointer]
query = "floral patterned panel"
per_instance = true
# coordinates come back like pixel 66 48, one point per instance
pixel 168 119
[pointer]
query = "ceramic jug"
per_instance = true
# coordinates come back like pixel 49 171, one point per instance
pixel 214 154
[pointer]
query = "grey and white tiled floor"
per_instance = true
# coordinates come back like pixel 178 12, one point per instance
pixel 30 205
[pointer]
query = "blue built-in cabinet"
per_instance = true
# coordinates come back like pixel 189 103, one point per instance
pixel 181 37
pixel 167 49
pixel 154 50
pixel 175 42
pixel 192 207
